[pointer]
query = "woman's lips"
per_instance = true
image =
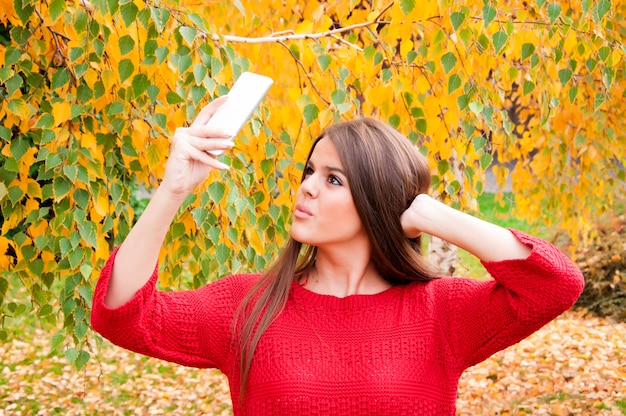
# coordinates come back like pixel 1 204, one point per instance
pixel 302 212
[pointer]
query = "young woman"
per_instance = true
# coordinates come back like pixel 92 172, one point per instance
pixel 351 319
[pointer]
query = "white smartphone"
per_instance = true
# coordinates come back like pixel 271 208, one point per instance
pixel 243 99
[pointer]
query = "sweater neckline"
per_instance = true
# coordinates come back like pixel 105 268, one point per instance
pixel 331 301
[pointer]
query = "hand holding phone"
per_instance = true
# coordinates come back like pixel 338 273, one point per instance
pixel 243 99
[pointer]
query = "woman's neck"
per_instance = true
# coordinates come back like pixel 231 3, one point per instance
pixel 343 276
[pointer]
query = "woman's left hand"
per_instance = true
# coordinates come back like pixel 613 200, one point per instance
pixel 416 217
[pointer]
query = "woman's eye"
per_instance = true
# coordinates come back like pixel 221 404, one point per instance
pixel 334 180
pixel 308 171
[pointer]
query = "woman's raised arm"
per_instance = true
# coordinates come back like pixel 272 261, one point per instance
pixel 487 241
pixel 189 163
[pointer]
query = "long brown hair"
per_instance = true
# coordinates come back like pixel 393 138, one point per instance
pixel 385 173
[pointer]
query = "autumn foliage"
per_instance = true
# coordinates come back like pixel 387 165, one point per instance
pixel 90 93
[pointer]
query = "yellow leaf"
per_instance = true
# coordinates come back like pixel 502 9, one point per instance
pixel 141 131
pixel 40 228
pixel 108 79
pixel 101 204
pixel 5 261
pixel 61 112
pixel 27 161
pixel 406 46
pixel 305 27
pixel 19 107
pixel 254 240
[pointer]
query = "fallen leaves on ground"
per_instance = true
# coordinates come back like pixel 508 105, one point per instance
pixel 574 365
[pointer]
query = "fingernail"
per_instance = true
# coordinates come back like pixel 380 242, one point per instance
pixel 222 166
pixel 228 143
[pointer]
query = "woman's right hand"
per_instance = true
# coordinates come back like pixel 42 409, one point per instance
pixel 189 161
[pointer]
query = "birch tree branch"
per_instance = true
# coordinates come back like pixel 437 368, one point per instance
pixel 295 36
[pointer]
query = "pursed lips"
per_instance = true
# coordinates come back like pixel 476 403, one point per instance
pixel 302 212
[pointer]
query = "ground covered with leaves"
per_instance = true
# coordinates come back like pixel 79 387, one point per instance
pixel 574 365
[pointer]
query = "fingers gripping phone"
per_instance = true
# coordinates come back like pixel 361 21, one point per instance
pixel 243 99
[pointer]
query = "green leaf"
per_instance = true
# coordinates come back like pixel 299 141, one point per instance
pixel 421 125
pixel 56 9
pixel 457 19
pixel 160 17
pixel 13 84
pixel 489 13
pixel 324 62
pixel 463 101
pixel 448 61
pixel 216 191
pixel 129 13
pixel 540 3
pixel 75 257
pixel 599 100
pixel 222 253
pixel 310 113
pixel 184 63
pixel 528 87
pixel 161 53
pixel 24 10
pixel 608 76
pixel 125 69
pixel 5 133
pixel 479 142
pixel 45 310
pixel 591 64
pixel 71 354
pixel 442 167
pixel 338 96
pixel 126 44
pixel 499 40
pixel 601 10
pixel 173 98
pixel 554 11
pixel 60 78
pixel 604 53
pixel 527 50
pixel 454 82
pixel 197 20
pixel 572 93
pixel 19 148
pixel 57 340
pixel 11 56
pixel 476 107
pixel 565 75
pixel 485 161
pixel 61 187
pixel 407 6
pixel 411 56
pixel 80 330
pixel 140 84
pixel 81 359
pixel 199 73
pixel 5 73
pixel 188 33
pixel 15 194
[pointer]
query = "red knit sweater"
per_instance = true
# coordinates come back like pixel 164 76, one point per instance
pixel 399 352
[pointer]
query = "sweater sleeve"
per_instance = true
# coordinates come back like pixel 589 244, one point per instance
pixel 524 295
pixel 191 327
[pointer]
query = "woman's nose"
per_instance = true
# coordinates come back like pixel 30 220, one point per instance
pixel 308 185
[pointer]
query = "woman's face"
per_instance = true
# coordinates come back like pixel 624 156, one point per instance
pixel 325 214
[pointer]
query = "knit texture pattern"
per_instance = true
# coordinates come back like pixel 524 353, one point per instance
pixel 398 352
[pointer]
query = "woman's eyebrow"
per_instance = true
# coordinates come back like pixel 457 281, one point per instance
pixel 335 170
pixel 327 168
